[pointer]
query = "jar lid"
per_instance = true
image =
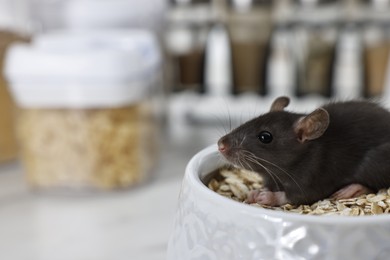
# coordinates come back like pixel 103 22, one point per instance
pixel 83 69
pixel 115 13
pixel 14 16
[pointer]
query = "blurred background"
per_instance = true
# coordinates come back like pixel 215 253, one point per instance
pixel 103 103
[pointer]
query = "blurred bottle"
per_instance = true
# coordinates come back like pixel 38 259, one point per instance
pixel 249 26
pixel 380 5
pixel 315 38
pixel 218 63
pixel 376 53
pixel 14 27
pixel 281 77
pixel 188 25
pixel 348 69
pixel 377 48
pixel 316 3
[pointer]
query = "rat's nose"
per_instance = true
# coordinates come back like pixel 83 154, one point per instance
pixel 223 145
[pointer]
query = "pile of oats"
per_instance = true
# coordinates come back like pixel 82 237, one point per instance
pixel 237 183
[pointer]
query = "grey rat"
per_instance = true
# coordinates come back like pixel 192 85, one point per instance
pixel 341 150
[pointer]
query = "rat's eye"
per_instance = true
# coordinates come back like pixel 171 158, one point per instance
pixel 265 137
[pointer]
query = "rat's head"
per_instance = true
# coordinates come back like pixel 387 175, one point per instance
pixel 273 138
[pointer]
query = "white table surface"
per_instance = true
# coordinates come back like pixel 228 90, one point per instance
pixel 132 224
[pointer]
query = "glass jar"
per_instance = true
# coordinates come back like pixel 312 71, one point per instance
pixel 86 118
pixel 315 57
pixel 13 28
pixel 188 24
pixel 8 146
pixel 348 69
pixel 281 76
pixel 249 26
pixel 376 56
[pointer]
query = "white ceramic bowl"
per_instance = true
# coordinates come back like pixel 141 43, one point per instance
pixel 210 226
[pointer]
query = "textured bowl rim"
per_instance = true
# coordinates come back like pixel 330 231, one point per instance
pixel 193 175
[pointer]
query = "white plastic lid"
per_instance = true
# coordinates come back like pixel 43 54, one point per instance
pixel 89 14
pixel 89 69
pixel 14 15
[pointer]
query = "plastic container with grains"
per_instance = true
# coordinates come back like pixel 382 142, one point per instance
pixel 13 28
pixel 86 118
pixel 8 145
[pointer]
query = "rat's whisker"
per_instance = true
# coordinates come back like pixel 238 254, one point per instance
pixel 270 172
pixel 222 160
pixel 242 141
pixel 230 121
pixel 265 168
pixel 219 131
pixel 229 114
pixel 221 123
pixel 237 162
pixel 276 166
pixel 240 163
pixel 248 159
pixel 248 165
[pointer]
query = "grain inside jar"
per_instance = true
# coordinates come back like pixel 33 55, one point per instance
pixel 101 148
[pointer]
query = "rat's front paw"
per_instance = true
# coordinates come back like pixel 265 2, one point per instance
pixel 266 197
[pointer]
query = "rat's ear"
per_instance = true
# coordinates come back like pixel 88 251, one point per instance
pixel 312 126
pixel 279 104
